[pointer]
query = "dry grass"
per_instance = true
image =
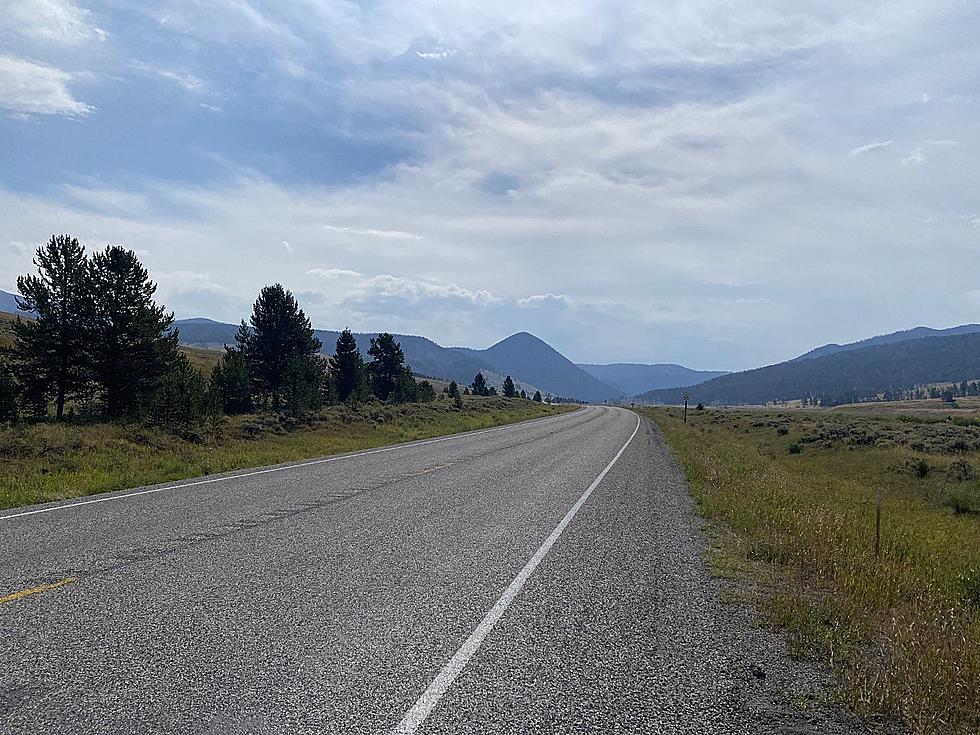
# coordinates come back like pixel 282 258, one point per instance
pixel 48 461
pixel 901 631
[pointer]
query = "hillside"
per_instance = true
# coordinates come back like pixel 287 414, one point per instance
pixel 633 379
pixel 423 355
pixel 534 360
pixel 887 339
pixel 841 377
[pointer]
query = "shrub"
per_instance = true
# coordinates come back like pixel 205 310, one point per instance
pixel 795 448
pixel 959 470
pixel 963 499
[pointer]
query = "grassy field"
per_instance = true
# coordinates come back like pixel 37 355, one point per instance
pixel 48 461
pixel 791 500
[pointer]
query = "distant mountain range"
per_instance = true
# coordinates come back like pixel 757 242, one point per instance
pixel 835 373
pixel 893 338
pixel 632 379
pixel 843 376
pixel 8 303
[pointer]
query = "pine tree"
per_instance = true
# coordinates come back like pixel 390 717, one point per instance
pixel 509 390
pixel 479 385
pixel 8 395
pixel 132 344
pixel 279 347
pixel 453 389
pixel 347 369
pixel 523 394
pixel 537 396
pixel 231 383
pixel 50 352
pixel 181 398
pixel 425 392
pixel 387 369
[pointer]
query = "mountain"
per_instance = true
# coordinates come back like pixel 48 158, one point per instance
pixel 885 339
pixel 844 376
pixel 633 379
pixel 423 355
pixel 8 303
pixel 534 360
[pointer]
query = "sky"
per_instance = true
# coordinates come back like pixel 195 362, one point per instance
pixel 717 184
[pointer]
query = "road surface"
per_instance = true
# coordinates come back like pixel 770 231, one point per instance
pixel 542 577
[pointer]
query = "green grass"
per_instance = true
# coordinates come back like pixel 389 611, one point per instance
pixel 49 461
pixel 791 497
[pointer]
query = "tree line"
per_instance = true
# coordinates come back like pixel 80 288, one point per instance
pixel 99 345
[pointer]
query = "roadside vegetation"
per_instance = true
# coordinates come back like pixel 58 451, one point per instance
pixel 791 501
pixel 96 393
pixel 50 460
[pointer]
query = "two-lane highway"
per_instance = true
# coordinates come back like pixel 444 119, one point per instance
pixel 542 577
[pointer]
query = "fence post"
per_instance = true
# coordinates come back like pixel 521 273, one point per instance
pixel 877 521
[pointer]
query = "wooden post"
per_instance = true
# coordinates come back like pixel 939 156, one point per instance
pixel 686 398
pixel 877 521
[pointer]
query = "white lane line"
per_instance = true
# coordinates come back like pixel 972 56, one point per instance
pixel 431 696
pixel 107 498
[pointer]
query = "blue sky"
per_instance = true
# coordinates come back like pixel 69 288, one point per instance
pixel 717 184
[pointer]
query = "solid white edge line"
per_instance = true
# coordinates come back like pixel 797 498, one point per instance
pixel 414 718
pixel 293 466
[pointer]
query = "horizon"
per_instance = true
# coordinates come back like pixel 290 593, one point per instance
pixel 712 196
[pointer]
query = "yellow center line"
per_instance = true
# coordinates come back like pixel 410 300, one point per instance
pixel 35 590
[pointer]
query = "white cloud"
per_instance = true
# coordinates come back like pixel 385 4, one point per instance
pixel 27 88
pixel 185 80
pixel 60 21
pixel 373 232
pixel 861 150
pixel 440 54
pixel 333 273
pixel 287 247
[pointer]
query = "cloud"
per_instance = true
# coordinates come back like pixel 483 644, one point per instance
pixel 185 80
pixel 439 54
pixel 59 21
pixel 861 150
pixel 371 232
pixel 27 88
pixel 287 247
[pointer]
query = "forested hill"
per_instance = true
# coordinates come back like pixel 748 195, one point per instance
pixel 843 376
pixel 633 378
pixel 423 355
pixel 884 339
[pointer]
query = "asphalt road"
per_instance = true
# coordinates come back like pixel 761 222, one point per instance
pixel 471 584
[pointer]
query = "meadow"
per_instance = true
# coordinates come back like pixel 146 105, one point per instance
pixel 47 461
pixel 791 502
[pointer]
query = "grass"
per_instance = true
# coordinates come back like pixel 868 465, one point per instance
pixel 48 461
pixel 791 500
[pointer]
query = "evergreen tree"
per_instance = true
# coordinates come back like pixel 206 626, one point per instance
pixel 453 389
pixel 479 385
pixel 8 395
pixel 181 398
pixel 280 348
pixel 231 383
pixel 492 392
pixel 466 391
pixel 509 390
pixel 523 394
pixel 425 392
pixel 347 369
pixel 407 388
pixel 50 352
pixel 131 341
pixel 303 383
pixel 537 396
pixel 387 369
